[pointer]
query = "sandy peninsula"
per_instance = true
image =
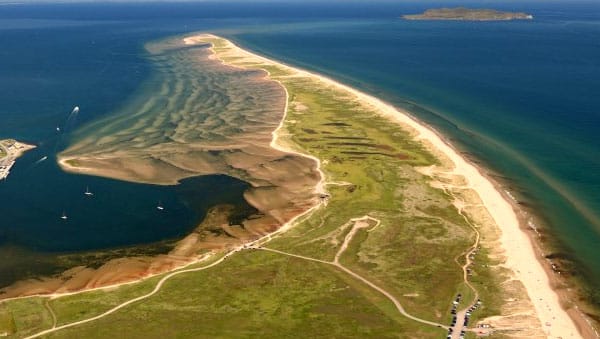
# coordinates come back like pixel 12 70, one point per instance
pixel 474 193
pixel 520 257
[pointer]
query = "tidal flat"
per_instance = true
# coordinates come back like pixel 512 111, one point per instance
pixel 194 117
pixel 200 117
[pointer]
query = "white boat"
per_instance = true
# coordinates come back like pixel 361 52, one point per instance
pixel 87 192
pixel 64 216
pixel 160 206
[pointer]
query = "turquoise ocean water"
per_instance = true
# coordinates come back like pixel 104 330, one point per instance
pixel 522 98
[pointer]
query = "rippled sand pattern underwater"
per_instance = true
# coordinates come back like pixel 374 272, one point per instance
pixel 196 116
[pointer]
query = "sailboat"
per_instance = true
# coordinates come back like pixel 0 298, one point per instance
pixel 64 216
pixel 160 206
pixel 87 192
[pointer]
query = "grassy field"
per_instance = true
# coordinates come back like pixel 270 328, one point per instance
pixel 2 150
pixel 415 253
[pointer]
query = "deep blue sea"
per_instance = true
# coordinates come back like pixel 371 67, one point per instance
pixel 522 98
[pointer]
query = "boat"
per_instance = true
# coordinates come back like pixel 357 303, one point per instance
pixel 87 192
pixel 64 216
pixel 160 206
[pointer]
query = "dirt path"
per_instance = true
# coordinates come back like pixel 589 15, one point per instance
pixel 126 303
pixel 252 244
pixel 49 308
pixel 360 223
pixel 461 315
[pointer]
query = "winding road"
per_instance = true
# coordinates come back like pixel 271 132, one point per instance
pixel 120 306
pixel 461 315
pixel 359 223
pixel 161 282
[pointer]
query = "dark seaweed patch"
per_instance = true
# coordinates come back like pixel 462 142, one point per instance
pixel 346 138
pixel 339 124
pixel 397 156
pixel 310 131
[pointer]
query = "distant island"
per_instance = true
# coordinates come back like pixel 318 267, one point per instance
pixel 467 14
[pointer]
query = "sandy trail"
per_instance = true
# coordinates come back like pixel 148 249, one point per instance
pixel 162 281
pixel 51 311
pixel 461 315
pixel 360 223
pixel 120 306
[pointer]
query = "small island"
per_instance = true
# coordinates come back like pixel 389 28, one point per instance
pixel 10 150
pixel 467 14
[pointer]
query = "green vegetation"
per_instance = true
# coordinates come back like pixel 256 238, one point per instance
pixel 73 162
pixel 7 322
pixel 73 308
pixel 24 316
pixel 461 13
pixel 257 292
pixel 369 163
pixel 3 144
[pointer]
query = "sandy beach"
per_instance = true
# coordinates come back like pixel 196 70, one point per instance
pixel 521 257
